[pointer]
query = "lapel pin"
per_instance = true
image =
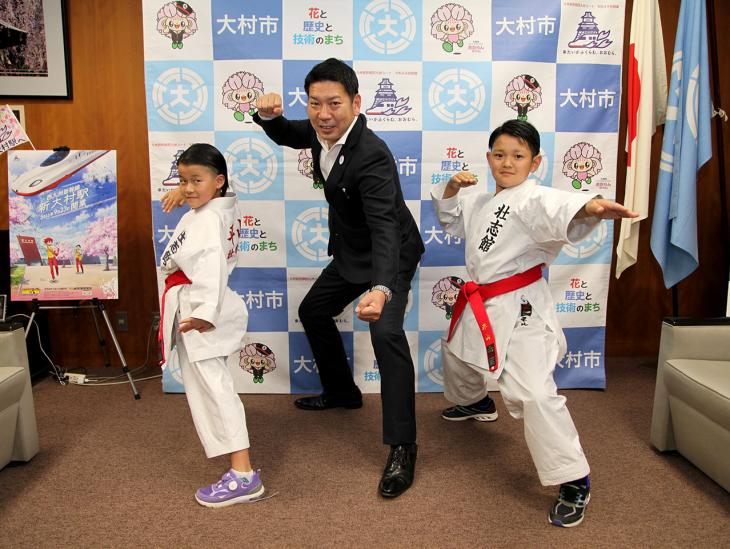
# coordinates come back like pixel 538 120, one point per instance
pixel 342 159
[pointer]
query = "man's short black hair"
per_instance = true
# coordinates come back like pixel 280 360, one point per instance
pixel 524 131
pixel 333 70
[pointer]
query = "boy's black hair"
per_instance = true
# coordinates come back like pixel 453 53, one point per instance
pixel 203 154
pixel 524 131
pixel 333 70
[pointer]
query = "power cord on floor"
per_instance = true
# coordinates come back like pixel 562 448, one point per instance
pixel 55 370
pixel 136 379
pixel 63 376
pixel 108 380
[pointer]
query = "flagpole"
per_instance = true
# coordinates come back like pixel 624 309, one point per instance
pixel 718 132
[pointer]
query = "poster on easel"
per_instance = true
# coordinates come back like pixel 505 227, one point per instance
pixel 63 225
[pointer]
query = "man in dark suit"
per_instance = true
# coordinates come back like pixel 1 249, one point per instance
pixel 375 245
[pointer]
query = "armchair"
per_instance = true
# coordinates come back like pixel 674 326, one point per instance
pixel 691 412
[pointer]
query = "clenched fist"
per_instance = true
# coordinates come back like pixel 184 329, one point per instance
pixel 269 105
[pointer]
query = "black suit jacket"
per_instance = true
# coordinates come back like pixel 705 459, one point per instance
pixel 373 235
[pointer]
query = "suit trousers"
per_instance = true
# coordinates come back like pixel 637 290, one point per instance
pixel 326 299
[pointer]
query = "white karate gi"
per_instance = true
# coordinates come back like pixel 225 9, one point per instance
pixel 204 246
pixel 518 228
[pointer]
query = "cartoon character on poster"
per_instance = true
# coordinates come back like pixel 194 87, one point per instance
pixel 581 163
pixel 257 359
pixel 305 166
pixel 445 293
pixel 52 254
pixel 452 24
pixel 240 93
pixel 523 94
pixel 178 21
pixel 79 259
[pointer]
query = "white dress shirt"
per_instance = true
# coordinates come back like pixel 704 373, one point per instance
pixel 328 155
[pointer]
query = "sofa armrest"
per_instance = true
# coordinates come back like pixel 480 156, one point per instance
pixel 700 339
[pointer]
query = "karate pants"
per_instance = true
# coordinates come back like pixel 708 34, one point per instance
pixel 529 392
pixel 217 410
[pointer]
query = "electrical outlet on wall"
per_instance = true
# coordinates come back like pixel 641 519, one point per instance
pixel 122 321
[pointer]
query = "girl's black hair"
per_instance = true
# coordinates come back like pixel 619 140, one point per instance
pixel 203 154
pixel 523 131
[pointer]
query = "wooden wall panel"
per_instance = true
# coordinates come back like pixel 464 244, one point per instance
pixel 108 111
pixel 639 300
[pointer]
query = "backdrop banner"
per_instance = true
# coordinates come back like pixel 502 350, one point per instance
pixel 63 225
pixel 435 78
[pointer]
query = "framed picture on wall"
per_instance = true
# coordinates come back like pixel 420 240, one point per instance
pixel 34 56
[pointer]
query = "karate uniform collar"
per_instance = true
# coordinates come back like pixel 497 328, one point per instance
pixel 529 182
pixel 220 203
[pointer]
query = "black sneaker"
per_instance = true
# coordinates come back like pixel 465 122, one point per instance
pixel 568 511
pixel 479 413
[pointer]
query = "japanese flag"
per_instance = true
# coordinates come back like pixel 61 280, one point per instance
pixel 647 106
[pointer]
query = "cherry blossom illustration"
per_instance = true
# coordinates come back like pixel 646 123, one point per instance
pixel 102 239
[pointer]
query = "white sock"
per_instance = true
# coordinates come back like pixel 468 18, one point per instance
pixel 243 474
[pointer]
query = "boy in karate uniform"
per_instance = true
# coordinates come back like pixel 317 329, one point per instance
pixel 504 325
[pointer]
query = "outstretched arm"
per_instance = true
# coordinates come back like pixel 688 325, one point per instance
pixel 289 133
pixel 605 209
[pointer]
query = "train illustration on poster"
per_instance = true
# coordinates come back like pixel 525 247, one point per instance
pixel 63 225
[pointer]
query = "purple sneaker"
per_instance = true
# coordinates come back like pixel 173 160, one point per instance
pixel 229 490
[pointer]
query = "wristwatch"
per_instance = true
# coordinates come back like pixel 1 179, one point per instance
pixel 385 290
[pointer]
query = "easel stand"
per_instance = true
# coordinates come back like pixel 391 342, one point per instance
pixel 96 304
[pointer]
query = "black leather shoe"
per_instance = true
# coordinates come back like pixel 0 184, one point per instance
pixel 325 402
pixel 398 473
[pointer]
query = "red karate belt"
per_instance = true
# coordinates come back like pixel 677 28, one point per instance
pixel 476 294
pixel 177 278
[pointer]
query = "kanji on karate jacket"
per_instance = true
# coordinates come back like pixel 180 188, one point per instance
pixel 505 234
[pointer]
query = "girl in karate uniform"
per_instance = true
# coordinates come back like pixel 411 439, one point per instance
pixel 206 320
pixel 504 325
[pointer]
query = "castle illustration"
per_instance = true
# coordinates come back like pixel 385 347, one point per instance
pixel 589 35
pixel 386 101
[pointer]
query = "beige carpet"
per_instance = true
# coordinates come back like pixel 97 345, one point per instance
pixel 115 472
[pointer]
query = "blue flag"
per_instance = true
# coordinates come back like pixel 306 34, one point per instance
pixel 686 147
